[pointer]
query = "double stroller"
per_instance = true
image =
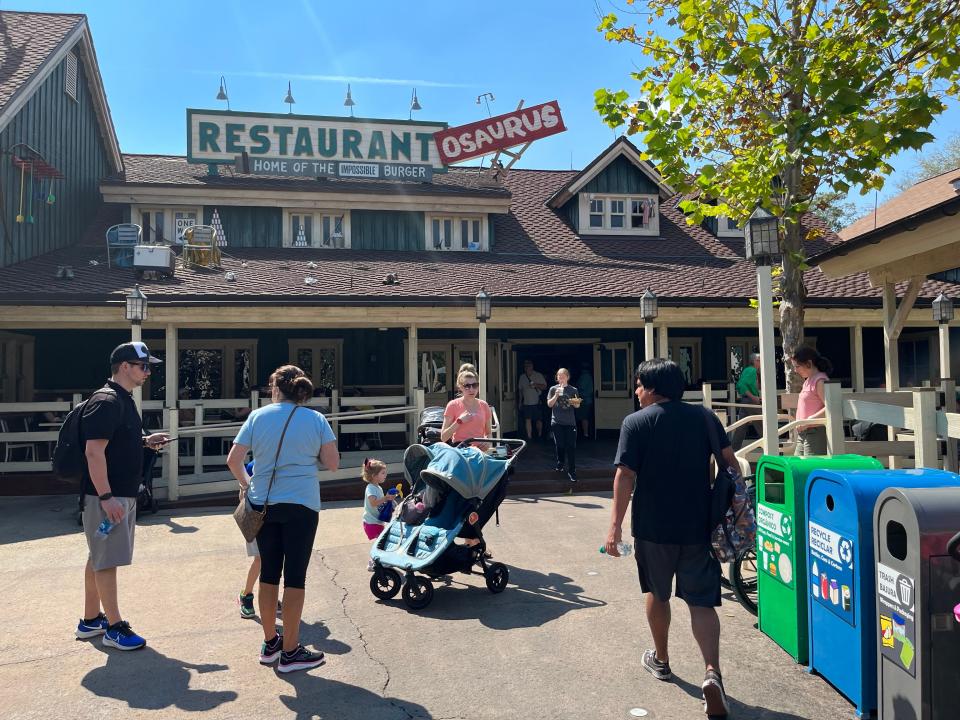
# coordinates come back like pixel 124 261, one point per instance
pixel 454 492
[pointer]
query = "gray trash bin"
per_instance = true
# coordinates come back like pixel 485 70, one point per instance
pixel 918 586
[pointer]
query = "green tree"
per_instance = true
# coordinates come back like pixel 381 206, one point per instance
pixel 936 162
pixel 765 102
pixel 836 209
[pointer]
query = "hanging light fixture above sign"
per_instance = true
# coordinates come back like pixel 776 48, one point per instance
pixel 222 95
pixel 289 99
pixel 414 104
pixel 348 101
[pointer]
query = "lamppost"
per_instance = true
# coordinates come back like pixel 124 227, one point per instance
pixel 942 315
pixel 483 314
pixel 762 246
pixel 649 310
pixel 136 313
pixel 222 95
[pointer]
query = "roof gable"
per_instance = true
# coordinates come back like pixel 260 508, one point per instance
pixel 32 46
pixel 609 158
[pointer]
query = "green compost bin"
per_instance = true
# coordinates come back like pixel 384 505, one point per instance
pixel 782 545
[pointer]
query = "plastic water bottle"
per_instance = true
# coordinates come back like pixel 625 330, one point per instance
pixel 625 549
pixel 104 528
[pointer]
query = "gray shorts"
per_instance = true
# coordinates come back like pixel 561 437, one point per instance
pixel 116 548
pixel 812 441
pixel 696 569
pixel 253 550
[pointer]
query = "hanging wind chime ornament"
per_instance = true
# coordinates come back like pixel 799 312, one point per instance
pixel 23 170
pixel 30 199
pixel 51 198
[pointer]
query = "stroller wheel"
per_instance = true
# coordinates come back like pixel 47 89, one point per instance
pixel 385 583
pixel 417 593
pixel 497 576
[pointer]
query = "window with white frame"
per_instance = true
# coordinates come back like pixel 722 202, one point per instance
pixel 70 75
pixel 619 214
pixel 456 232
pixel 727 228
pixel 165 224
pixel 316 229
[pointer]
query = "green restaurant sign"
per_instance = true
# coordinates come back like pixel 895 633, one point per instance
pixel 315 146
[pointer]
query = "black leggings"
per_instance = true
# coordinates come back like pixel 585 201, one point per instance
pixel 565 443
pixel 285 542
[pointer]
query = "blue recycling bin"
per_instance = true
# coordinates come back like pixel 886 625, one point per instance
pixel 840 573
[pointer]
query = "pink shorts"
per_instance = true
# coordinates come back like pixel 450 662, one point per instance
pixel 372 530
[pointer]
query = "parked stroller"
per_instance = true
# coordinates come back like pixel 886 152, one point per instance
pixel 454 492
pixel 431 423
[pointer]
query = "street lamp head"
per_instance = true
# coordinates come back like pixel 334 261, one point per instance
pixel 289 98
pixel 649 306
pixel 762 237
pixel 483 305
pixel 942 309
pixel 222 95
pixel 136 305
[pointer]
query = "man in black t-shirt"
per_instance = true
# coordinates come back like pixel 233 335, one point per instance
pixel 664 458
pixel 112 435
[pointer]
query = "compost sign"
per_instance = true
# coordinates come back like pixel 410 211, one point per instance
pixel 831 570
pixel 898 632
pixel 361 145
pixel 499 133
pixel 775 543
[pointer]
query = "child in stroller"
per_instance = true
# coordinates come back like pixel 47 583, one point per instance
pixel 455 491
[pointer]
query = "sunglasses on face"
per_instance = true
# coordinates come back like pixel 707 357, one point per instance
pixel 144 367
pixel 470 386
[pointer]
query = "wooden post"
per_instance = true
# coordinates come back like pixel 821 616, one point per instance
pixel 663 340
pixel 768 376
pixel 171 456
pixel 856 362
pixel 833 402
pixel 419 403
pixel 648 351
pixel 482 360
pixel 891 335
pixel 708 396
pixel 925 429
pixel 413 378
pixel 945 350
pixel 335 408
pixel 198 442
pixel 949 388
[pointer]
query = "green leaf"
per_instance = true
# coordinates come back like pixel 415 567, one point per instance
pixel 757 32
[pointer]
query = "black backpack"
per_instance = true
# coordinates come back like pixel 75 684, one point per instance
pixel 69 458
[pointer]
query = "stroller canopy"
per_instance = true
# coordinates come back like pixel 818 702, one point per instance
pixel 468 471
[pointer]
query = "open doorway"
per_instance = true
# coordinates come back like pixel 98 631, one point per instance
pixel 547 358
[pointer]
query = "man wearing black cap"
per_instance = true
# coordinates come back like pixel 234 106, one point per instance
pixel 112 432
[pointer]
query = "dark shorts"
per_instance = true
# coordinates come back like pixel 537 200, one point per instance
pixel 584 412
pixel 696 569
pixel 531 412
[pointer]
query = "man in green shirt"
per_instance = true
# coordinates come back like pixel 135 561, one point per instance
pixel 748 392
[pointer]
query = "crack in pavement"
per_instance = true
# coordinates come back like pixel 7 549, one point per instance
pixel 345 592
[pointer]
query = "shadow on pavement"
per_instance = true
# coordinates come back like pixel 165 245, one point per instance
pixel 738 709
pixel 318 697
pixel 318 635
pixel 558 501
pixel 145 679
pixel 531 599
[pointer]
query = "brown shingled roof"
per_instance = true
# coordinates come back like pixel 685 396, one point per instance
pixel 922 197
pixel 26 40
pixel 538 258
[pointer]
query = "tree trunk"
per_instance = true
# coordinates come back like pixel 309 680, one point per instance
pixel 793 298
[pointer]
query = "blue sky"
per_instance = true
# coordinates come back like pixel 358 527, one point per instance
pixel 159 58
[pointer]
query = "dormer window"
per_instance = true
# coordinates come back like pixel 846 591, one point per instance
pixel 316 229
pixel 727 228
pixel 609 214
pixel 460 232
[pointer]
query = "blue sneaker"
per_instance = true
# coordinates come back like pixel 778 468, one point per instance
pixel 122 637
pixel 87 629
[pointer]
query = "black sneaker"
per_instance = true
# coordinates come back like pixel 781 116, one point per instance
pixel 572 476
pixel 270 650
pixel 660 670
pixel 714 698
pixel 246 606
pixel 299 659
pixel 558 468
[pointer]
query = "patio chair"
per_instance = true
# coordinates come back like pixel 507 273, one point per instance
pixel 121 239
pixel 11 447
pixel 200 248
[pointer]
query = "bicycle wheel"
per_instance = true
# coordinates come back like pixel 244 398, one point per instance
pixel 744 579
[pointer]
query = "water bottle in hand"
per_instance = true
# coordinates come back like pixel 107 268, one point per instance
pixel 105 527
pixel 623 548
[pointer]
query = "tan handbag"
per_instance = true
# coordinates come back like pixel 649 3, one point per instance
pixel 249 520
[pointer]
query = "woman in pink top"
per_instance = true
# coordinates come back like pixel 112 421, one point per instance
pixel 813 368
pixel 467 416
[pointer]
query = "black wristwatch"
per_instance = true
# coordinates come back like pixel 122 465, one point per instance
pixel 106 496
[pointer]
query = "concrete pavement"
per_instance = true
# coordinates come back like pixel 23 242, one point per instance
pixel 563 641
